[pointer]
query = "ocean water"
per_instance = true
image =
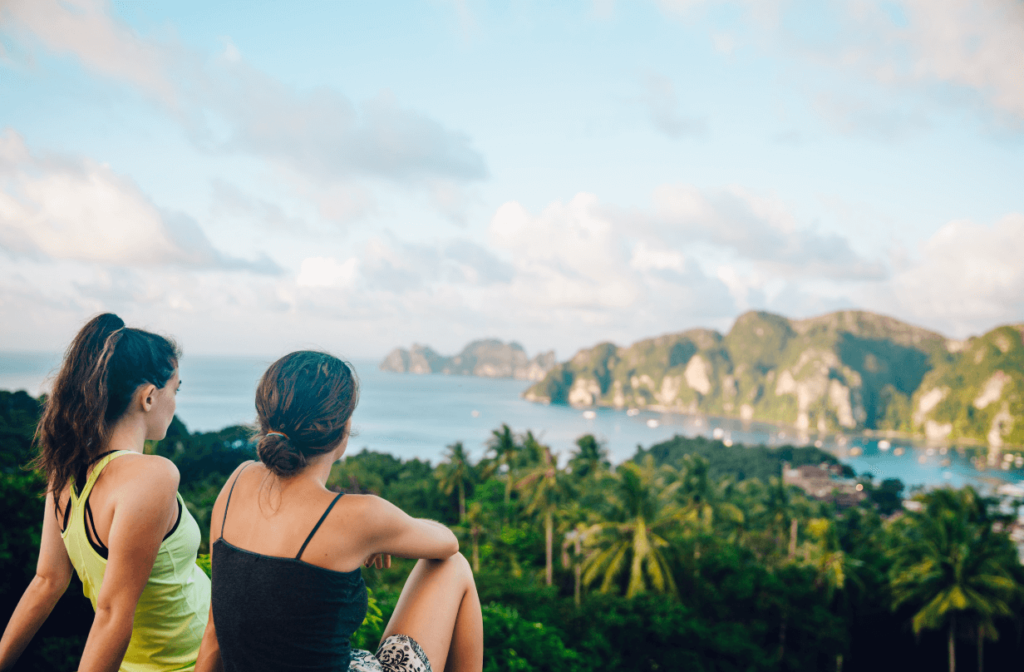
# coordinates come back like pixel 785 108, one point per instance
pixel 417 416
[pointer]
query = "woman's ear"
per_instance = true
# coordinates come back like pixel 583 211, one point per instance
pixel 145 397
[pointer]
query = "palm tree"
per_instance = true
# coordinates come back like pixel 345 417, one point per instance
pixel 476 522
pixel 644 507
pixel 506 449
pixel 546 486
pixel 454 473
pixel 574 539
pixel 951 564
pixel 590 459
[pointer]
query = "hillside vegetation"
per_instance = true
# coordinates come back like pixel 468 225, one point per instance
pixel 845 371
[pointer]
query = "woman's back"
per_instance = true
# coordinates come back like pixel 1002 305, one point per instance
pixel 170 615
pixel 274 610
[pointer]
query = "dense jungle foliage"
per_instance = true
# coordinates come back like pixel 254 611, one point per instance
pixel 692 555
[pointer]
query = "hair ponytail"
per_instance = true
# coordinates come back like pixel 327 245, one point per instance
pixel 102 368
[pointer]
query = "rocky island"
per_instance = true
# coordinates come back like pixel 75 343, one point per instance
pixel 488 358
pixel 845 371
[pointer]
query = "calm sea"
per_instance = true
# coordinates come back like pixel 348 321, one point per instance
pixel 417 416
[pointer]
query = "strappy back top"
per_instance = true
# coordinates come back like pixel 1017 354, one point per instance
pixel 171 614
pixel 278 614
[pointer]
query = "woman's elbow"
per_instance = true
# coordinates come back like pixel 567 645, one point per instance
pixel 51 587
pixel 453 545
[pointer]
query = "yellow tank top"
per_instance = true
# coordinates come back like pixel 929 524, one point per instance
pixel 174 605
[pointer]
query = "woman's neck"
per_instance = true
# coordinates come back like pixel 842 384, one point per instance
pixel 127 434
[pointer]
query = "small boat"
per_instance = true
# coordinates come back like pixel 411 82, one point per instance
pixel 632 412
pixel 653 423
pixel 855 451
pixel 718 433
pixel 884 445
pixel 898 452
pixel 589 415
pixel 475 414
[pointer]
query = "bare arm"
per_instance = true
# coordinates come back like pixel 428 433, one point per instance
pixel 394 532
pixel 209 651
pixel 53 573
pixel 144 503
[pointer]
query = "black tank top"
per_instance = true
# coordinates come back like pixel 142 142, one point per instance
pixel 279 614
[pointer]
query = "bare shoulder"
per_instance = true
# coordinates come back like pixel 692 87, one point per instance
pixel 147 471
pixel 375 514
pixel 232 479
pixel 368 506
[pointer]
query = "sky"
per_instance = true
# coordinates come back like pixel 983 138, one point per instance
pixel 254 177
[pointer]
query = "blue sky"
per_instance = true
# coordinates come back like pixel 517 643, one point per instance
pixel 256 177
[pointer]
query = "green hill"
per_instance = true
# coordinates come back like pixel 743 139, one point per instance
pixel 850 370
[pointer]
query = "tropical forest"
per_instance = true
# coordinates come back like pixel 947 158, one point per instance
pixel 691 555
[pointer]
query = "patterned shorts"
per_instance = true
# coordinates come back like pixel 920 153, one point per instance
pixel 397 653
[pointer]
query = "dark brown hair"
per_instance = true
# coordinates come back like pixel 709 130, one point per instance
pixel 309 397
pixel 103 367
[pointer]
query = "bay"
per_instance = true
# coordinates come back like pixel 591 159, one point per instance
pixel 417 416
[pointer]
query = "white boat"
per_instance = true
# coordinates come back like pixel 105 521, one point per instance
pixel 589 415
pixel 884 445
pixel 632 412
pixel 653 423
pixel 718 433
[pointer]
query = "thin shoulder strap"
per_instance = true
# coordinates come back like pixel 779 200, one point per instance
pixel 231 492
pixel 318 524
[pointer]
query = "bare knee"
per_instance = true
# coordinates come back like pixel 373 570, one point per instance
pixel 456 567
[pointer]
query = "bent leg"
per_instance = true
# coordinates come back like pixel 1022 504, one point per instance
pixel 440 609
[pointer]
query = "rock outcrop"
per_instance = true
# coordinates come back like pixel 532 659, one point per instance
pixel 487 358
pixel 850 370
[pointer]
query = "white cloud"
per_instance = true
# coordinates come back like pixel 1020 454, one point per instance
pixel 85 30
pixel 757 229
pixel 977 44
pixel 327 272
pixel 647 257
pixel 229 106
pixel 968 277
pixel 335 152
pixel 63 208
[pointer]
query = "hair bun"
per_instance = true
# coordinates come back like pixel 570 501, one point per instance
pixel 279 455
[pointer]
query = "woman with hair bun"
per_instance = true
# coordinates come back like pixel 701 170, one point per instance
pixel 112 513
pixel 288 590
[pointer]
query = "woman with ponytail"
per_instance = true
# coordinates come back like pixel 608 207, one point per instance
pixel 288 590
pixel 113 514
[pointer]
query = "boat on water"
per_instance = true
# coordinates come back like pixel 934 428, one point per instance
pixel 884 445
pixel 589 415
pixel 633 412
pixel 653 423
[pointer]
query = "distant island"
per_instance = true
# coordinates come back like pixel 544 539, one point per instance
pixel 488 358
pixel 845 371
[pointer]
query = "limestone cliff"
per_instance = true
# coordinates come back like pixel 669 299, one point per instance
pixel 850 370
pixel 488 358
